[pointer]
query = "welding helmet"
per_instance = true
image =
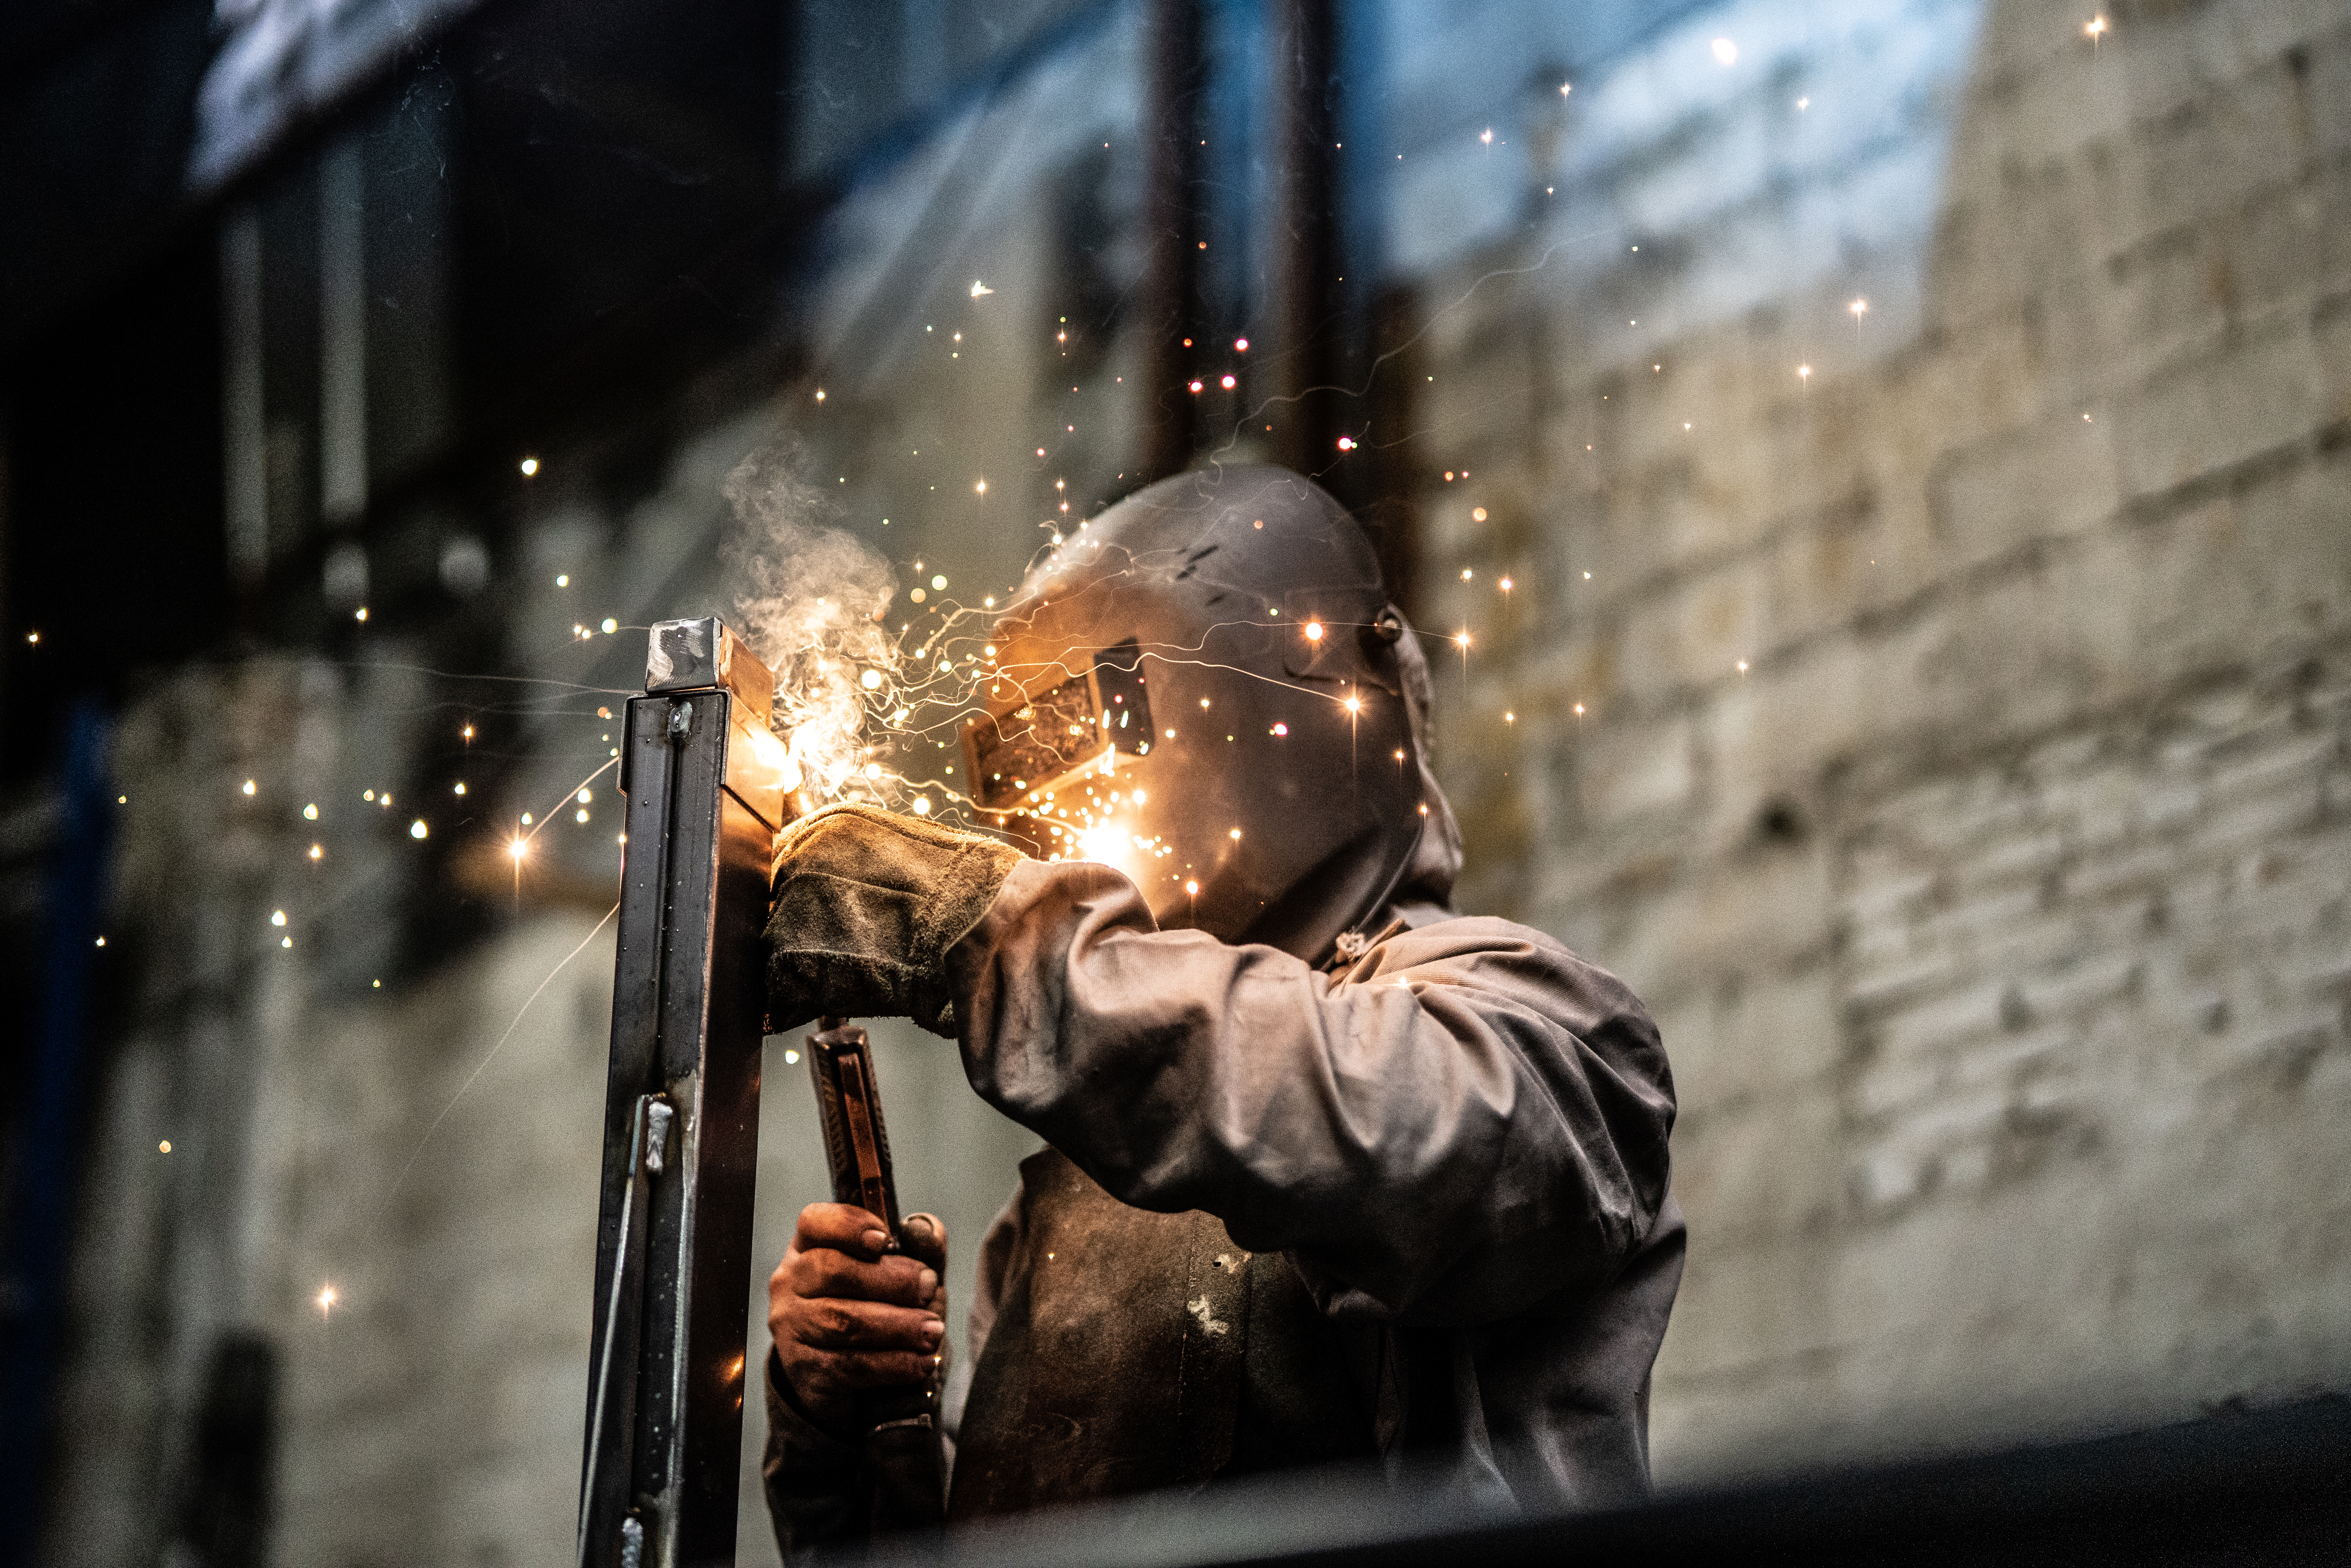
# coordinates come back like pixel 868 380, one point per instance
pixel 1202 687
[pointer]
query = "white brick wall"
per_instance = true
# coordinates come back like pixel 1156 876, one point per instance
pixel 1996 913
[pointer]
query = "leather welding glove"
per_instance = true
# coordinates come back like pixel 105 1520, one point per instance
pixel 867 905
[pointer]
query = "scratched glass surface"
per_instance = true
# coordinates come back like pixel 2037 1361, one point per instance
pixel 1859 473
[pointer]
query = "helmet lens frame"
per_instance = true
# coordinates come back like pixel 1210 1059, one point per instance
pixel 1053 735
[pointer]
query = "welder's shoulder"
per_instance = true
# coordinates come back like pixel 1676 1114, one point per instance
pixel 1516 960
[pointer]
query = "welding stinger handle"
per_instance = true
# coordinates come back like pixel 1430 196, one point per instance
pixel 902 1450
pixel 856 1142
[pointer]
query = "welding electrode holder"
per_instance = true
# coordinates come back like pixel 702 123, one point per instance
pixel 856 1139
pixel 705 785
pixel 905 1462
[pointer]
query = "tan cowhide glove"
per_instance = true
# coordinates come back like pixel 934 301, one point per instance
pixel 867 905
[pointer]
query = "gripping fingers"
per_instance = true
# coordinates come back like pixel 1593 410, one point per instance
pixel 851 1320
pixel 925 1237
pixel 825 1272
pixel 832 1323
pixel 844 1226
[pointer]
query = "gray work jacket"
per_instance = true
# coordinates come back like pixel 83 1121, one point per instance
pixel 1456 1145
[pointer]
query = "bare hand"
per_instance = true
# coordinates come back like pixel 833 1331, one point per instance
pixel 857 1329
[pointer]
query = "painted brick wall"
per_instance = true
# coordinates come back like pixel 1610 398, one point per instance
pixel 1953 744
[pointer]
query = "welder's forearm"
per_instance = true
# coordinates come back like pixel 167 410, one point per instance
pixel 1425 1143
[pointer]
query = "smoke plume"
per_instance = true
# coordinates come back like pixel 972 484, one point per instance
pixel 809 597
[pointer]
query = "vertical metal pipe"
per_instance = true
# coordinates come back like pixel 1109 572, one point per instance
pixel 1174 311
pixel 1315 323
pixel 1334 320
pixel 1384 499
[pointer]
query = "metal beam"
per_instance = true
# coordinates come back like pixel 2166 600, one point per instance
pixel 705 782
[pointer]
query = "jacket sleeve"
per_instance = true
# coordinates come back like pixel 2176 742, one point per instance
pixel 1472 1120
pixel 815 1483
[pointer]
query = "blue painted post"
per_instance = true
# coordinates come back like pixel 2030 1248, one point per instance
pixel 40 1245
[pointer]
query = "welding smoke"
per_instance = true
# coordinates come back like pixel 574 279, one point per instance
pixel 809 597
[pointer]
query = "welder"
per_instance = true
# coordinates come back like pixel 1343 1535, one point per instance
pixel 1331 1173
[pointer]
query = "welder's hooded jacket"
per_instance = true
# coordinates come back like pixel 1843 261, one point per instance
pixel 1411 1208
